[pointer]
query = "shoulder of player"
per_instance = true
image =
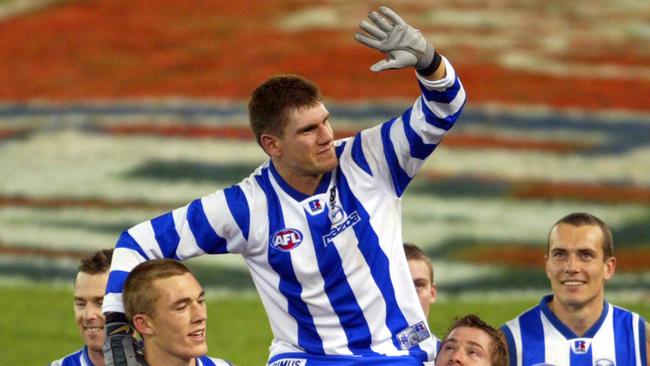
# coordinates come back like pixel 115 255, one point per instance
pixel 68 360
pixel 210 361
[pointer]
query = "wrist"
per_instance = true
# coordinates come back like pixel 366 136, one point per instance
pixel 432 66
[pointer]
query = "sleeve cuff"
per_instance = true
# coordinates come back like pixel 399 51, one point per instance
pixel 442 84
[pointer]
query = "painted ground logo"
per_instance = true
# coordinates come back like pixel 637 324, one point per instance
pixel 286 239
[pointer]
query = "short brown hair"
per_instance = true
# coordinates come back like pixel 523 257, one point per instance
pixel 139 297
pixel 585 219
pixel 415 253
pixel 499 351
pixel 273 101
pixel 97 262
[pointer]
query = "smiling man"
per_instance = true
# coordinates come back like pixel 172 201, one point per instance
pixel 89 287
pixel 166 306
pixel 575 325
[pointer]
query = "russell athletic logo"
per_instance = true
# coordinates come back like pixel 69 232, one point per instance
pixel 286 239
pixel 580 345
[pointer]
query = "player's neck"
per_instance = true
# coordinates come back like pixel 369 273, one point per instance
pixel 303 183
pixel 578 318
pixel 158 357
pixel 97 357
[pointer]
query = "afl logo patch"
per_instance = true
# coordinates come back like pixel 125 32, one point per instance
pixel 286 239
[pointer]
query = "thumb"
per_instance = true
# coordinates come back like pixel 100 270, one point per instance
pixel 382 65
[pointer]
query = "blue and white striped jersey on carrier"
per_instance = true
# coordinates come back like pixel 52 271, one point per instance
pixel 329 267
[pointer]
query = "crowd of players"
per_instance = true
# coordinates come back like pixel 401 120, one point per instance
pixel 319 226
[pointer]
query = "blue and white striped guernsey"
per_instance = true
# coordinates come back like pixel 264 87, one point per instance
pixel 211 361
pixel 538 337
pixel 330 268
pixel 79 358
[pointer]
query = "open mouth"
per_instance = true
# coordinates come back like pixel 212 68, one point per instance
pixel 573 283
pixel 89 329
pixel 198 334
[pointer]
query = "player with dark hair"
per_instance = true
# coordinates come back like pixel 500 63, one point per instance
pixel 89 287
pixel 575 325
pixel 472 342
pixel 166 305
pixel 319 224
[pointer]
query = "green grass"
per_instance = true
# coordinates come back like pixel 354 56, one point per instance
pixel 37 324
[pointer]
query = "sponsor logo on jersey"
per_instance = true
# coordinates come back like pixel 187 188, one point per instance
pixel 336 214
pixel 604 362
pixel 286 239
pixel 411 336
pixel 290 362
pixel 352 220
pixel 580 346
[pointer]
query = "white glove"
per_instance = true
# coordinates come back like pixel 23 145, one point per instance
pixel 403 45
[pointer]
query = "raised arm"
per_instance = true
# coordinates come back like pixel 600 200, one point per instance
pixel 393 152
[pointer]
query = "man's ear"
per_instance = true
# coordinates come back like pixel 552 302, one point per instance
pixel 271 145
pixel 143 325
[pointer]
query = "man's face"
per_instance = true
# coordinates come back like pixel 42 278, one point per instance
pixel 88 297
pixel 178 328
pixel 423 286
pixel 466 346
pixel 576 265
pixel 306 147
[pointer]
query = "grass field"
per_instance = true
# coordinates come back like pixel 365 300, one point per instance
pixel 38 326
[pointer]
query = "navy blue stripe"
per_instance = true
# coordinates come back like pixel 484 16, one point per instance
pixel 86 356
pixel 443 123
pixel 116 281
pixel 357 154
pixel 378 263
pixel 445 96
pixel 166 235
pixel 337 287
pixel 206 238
pixel 339 149
pixel 239 209
pixel 127 241
pixel 624 342
pixel 510 342
pixel 399 177
pixel 532 337
pixel 206 361
pixel 281 263
pixel 417 147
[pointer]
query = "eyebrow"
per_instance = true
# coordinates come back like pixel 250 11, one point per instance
pixel 187 299
pixel 96 298
pixel 314 124
pixel 453 340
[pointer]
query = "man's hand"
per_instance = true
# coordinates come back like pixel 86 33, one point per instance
pixel 403 45
pixel 120 347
